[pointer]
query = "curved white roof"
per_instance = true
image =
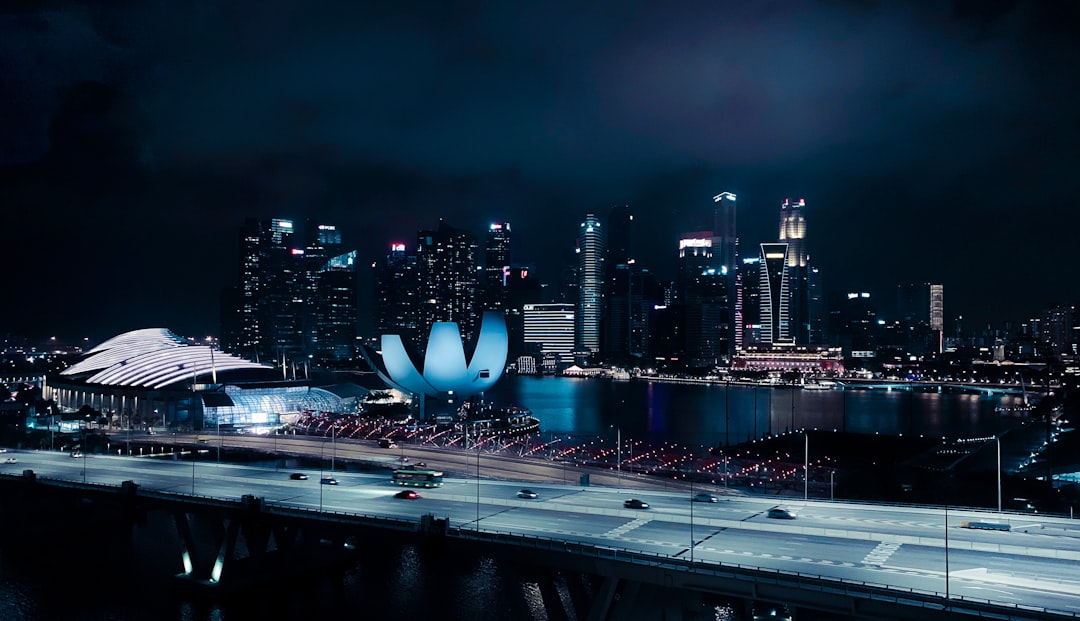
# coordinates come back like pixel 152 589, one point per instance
pixel 153 358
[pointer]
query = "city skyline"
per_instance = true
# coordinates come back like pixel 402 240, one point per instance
pixel 932 144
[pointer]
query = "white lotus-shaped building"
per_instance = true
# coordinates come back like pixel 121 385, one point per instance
pixel 445 370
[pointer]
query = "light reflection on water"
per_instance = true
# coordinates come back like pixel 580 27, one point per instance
pixel 665 412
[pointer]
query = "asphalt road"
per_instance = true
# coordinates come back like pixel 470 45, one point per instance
pixel 1036 563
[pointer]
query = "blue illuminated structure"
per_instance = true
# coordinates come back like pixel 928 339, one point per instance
pixel 446 372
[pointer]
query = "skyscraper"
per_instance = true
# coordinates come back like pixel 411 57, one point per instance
pixel 749 303
pixel 773 284
pixel 725 251
pixel 497 266
pixel 395 306
pixel 448 283
pixel 793 233
pixel 703 301
pixel 280 307
pixel 269 300
pixel 335 309
pixel 591 246
pixel 550 329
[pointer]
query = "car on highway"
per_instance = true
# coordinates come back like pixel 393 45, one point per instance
pixel 77 454
pixel 781 513
pixel 298 476
pixel 634 503
pixel 11 460
pixel 386 443
pixel 328 481
pixel 526 493
pixel 407 494
pixel 3 450
pixel 704 497
pixel 421 465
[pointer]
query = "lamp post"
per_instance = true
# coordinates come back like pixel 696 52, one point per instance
pixel 333 446
pixel 618 456
pixel 806 465
pixel 998 439
pixel 691 518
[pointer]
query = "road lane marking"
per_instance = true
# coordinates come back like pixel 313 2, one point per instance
pixel 880 554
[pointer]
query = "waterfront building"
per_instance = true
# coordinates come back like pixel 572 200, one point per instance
pixel 725 252
pixel 773 284
pixel 703 301
pixel 155 378
pixel 591 246
pixel 549 329
pixel 793 233
pixel 749 302
pixel 807 360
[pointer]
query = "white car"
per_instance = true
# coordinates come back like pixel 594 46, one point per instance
pixel 11 460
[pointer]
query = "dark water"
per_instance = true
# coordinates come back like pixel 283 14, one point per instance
pixel 96 572
pixel 711 415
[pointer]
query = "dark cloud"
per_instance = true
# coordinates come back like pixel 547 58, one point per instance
pixel 932 141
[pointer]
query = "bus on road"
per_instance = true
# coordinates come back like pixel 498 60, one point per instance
pixel 412 477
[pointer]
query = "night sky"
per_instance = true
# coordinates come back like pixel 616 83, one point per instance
pixel 932 142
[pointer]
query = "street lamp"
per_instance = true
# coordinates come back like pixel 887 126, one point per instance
pixel 998 438
pixel 806 465
pixel 618 456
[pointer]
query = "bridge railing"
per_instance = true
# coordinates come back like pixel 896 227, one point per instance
pixel 847 587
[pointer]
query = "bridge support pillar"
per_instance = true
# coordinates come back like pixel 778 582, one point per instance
pixel 602 604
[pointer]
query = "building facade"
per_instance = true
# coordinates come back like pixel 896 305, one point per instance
pixel 591 250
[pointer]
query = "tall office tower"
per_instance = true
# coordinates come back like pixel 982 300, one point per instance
pixel 269 301
pixel 703 300
pixel 591 246
pixel 920 307
pixel 447 262
pixel 773 282
pixel 750 304
pixel 793 232
pixel 551 329
pixel 497 266
pixel 815 306
pixel 725 250
pixel 321 243
pixel 396 283
pixel 335 309
pixel 631 293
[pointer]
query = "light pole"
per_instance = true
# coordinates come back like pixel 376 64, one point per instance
pixel 691 519
pixel 998 438
pixel 333 446
pixel 193 453
pixel 806 465
pixel 618 456
pixel 946 551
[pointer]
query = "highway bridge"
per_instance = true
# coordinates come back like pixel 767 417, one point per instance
pixel 854 561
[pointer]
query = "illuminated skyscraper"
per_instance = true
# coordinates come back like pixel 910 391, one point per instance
pixel 920 308
pixel 749 303
pixel 281 307
pixel 448 283
pixel 793 233
pixel 395 281
pixel 550 329
pixel 591 246
pixel 703 301
pixel 725 251
pixel 773 283
pixel 497 266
